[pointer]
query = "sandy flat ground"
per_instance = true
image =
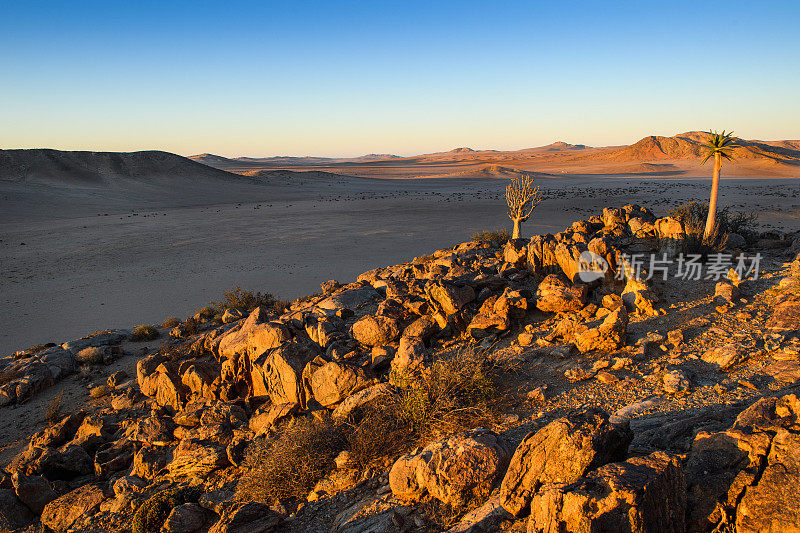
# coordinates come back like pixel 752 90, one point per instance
pixel 93 259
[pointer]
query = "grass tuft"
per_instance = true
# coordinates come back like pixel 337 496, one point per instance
pixel 144 332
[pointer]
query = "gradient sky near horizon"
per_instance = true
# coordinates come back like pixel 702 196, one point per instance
pixel 345 78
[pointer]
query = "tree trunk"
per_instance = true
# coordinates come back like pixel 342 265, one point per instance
pixel 712 204
pixel 515 233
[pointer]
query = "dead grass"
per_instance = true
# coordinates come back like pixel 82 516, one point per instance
pixel 291 464
pixel 54 411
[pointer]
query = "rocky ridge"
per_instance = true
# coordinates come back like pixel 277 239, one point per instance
pixel 633 404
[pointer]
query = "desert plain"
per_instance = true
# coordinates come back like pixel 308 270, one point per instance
pixel 90 241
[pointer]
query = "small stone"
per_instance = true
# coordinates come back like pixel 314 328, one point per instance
pixel 606 377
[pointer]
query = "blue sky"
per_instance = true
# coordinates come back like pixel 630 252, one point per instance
pixel 348 78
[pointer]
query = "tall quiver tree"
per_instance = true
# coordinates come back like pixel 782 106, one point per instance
pixel 718 146
pixel 522 198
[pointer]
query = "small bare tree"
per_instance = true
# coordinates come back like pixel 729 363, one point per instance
pixel 522 198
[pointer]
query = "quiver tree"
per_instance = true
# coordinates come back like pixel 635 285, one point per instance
pixel 522 198
pixel 718 146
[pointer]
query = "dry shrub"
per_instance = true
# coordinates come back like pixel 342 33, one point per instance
pixel 151 515
pixel 496 237
pixel 455 393
pixel 171 322
pixel 246 301
pixel 53 411
pixel 206 312
pixel 90 356
pixel 100 391
pixel 693 215
pixel 144 332
pixel 190 327
pixel 292 463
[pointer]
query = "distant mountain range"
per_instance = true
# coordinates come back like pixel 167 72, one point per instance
pixel 677 155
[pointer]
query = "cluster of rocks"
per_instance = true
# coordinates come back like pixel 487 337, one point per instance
pixel 31 371
pixel 195 405
pixel 575 474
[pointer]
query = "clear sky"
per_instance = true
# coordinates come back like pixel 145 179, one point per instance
pixel 348 78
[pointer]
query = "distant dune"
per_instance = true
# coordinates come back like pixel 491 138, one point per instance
pixel 652 155
pixel 105 169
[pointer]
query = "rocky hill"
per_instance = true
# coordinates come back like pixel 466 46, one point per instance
pixel 104 169
pixel 484 387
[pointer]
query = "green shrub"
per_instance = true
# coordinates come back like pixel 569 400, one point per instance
pixel 144 333
pixel 150 516
pixel 496 237
pixel 292 463
pixel 171 322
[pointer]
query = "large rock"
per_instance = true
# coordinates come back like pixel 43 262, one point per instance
pixel 185 518
pixel 64 463
pixel 554 295
pixel 568 257
pixel 725 356
pixel 278 372
pixel 200 378
pixel 261 422
pixel 333 382
pixel 640 495
pixel 350 299
pixel 251 517
pixel 424 327
pixel 372 330
pixel 62 512
pixel 561 452
pixel 449 297
pixel 34 491
pixel 453 470
pixel 254 337
pixel 13 514
pixel 608 336
pixel 409 357
pixel 359 399
pixel 542 255
pixel 515 252
pixel 772 504
pixel 486 324
pixel 196 458
pixel 746 471
pixel 785 316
